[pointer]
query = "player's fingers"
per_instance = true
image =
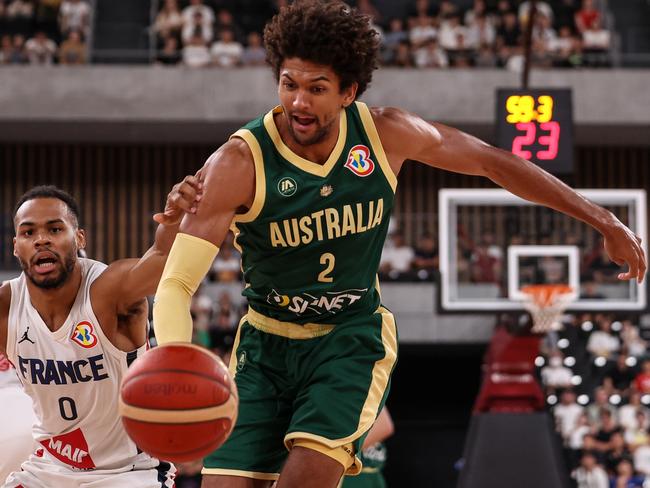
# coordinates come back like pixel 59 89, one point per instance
pixel 643 266
pixel 160 218
pixel 194 182
pixel 188 192
pixel 633 268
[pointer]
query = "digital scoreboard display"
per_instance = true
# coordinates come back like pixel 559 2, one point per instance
pixel 537 125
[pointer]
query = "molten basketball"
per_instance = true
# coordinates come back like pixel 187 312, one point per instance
pixel 178 402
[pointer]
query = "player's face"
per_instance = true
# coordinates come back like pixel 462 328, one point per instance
pixel 46 241
pixel 311 97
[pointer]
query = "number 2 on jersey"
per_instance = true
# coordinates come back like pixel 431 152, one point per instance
pixel 327 260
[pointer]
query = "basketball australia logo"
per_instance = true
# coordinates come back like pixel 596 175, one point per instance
pixel 359 161
pixel 287 186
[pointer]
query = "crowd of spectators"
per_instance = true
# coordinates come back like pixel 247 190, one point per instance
pixel 596 377
pixel 433 34
pixel 44 32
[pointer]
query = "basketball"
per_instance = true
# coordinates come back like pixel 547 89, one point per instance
pixel 178 402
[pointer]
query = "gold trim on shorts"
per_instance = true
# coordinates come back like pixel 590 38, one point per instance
pixel 286 329
pixel 241 474
pixel 344 455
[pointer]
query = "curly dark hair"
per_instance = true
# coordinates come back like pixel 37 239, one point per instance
pixel 328 33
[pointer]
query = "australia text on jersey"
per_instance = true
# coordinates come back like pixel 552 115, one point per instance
pixel 329 223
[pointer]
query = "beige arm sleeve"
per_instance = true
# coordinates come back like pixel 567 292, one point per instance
pixel 189 261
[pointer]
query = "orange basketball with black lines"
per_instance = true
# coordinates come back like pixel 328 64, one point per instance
pixel 178 402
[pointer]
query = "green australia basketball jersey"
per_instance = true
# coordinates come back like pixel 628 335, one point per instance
pixel 312 240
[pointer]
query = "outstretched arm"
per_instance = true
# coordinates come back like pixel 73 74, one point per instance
pixel 128 281
pixel 443 147
pixel 228 185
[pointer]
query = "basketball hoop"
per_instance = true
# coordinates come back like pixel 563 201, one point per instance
pixel 546 303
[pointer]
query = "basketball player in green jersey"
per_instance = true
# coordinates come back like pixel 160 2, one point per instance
pixel 308 189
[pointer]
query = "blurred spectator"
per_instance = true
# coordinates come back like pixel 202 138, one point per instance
pixel 642 381
pixel 6 49
pixel 596 43
pixel 608 427
pixel 201 310
pixel 422 8
pixel 486 260
pixel 602 342
pixel 625 476
pixel 74 15
pixel 422 31
pixel 395 35
pixel 556 375
pixel 485 57
pixel 600 403
pixel 575 441
pixel 599 265
pixel 196 53
pixel 72 50
pixel 189 18
pixel 426 255
pixel 403 57
pixel 227 265
pixel 567 413
pixel 622 375
pixel 586 16
pixel 169 22
pixel 642 458
pixel 553 270
pixel 40 49
pixel 450 33
pixel 590 474
pixel 627 413
pixel 226 53
pixel 196 27
pixel 447 8
pixel 18 53
pixel 226 21
pixel 632 341
pixel 170 53
pixel 638 433
pixel 396 257
pixel 481 33
pixel 254 53
pixel 479 9
pixel 430 55
pixel 508 37
pixel 617 452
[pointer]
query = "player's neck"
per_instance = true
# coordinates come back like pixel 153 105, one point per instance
pixel 317 153
pixel 54 305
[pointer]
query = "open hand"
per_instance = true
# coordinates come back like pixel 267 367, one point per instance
pixel 183 198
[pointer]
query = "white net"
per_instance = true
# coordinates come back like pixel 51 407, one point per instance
pixel 546 303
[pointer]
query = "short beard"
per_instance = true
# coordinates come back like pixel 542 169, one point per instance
pixel 56 282
pixel 320 134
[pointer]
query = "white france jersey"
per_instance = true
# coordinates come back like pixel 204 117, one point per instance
pixel 73 376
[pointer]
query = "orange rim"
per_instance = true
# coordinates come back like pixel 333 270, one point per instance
pixel 543 295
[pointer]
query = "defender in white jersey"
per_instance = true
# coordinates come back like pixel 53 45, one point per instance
pixel 71 327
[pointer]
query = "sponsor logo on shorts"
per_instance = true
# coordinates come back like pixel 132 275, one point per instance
pixel 359 161
pixel 331 302
pixel 84 335
pixel 71 449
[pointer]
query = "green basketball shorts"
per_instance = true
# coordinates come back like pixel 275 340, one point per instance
pixel 313 385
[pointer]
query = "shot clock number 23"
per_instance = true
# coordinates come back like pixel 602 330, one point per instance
pixel 537 125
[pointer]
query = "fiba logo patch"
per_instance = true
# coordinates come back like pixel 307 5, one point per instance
pixel 84 335
pixel 287 186
pixel 359 161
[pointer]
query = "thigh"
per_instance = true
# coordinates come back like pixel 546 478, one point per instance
pixel 307 468
pixel 217 481
pixel 344 384
pixel 255 448
pixel 16 441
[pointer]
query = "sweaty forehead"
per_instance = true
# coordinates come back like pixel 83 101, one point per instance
pixel 42 210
